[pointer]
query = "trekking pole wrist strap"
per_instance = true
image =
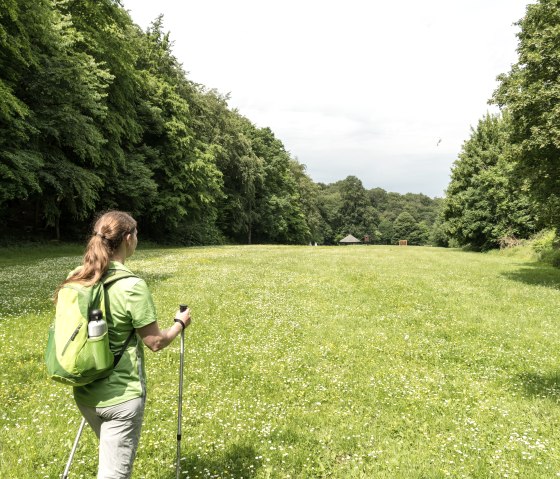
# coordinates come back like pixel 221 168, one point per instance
pixel 177 320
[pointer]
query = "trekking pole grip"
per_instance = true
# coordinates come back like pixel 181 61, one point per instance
pixel 183 307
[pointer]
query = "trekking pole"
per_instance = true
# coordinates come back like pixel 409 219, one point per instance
pixel 182 308
pixel 65 473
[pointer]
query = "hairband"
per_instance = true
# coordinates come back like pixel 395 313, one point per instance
pixel 100 235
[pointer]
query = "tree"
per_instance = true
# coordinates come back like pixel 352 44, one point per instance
pixel 357 215
pixel 19 163
pixel 61 91
pixel 378 198
pixel 281 217
pixel 395 204
pixel 230 138
pixel 405 228
pixel 386 231
pixel 309 197
pixel 111 38
pixel 420 235
pixel 183 167
pixel 530 93
pixel 438 234
pixel 329 204
pixel 485 200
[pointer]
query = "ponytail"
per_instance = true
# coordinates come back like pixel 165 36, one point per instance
pixel 109 232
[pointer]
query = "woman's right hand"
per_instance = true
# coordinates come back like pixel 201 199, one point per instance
pixel 184 316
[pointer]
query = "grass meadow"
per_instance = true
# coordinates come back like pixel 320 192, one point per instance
pixel 309 362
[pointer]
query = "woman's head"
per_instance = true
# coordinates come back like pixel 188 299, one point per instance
pixel 113 232
pixel 111 229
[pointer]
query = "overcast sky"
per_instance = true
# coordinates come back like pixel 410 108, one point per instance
pixel 355 87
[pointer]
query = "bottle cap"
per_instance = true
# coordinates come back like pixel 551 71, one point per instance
pixel 95 315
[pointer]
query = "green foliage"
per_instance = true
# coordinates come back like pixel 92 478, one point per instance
pixel 346 207
pixel 530 93
pixel 386 231
pixel 357 215
pixel 543 240
pixel 485 200
pixel 546 245
pixel 281 216
pixel 60 93
pixel 95 114
pixel 505 184
pixel 404 228
pixel 308 193
pixel 182 166
pixel 438 234
pixel 551 256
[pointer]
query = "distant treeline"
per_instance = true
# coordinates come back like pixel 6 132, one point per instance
pixel 347 207
pixel 97 114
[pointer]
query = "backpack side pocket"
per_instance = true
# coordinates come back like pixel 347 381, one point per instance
pixel 96 356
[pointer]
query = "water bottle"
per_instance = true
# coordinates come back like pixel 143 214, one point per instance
pixel 96 325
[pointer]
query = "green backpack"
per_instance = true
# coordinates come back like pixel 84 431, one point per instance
pixel 71 356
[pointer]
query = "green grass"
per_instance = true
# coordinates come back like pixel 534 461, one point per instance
pixel 335 362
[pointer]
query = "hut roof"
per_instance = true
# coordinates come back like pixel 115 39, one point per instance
pixel 350 239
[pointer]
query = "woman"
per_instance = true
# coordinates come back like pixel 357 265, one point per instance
pixel 114 406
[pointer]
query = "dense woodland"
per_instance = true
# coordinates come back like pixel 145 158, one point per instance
pixel 97 114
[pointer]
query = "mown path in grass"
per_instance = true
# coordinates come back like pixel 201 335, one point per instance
pixel 371 362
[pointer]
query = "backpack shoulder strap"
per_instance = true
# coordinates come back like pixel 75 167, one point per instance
pixel 113 275
pixel 110 277
pixel 123 349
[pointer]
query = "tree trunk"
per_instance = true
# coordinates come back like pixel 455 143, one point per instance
pixel 57 227
pixel 37 215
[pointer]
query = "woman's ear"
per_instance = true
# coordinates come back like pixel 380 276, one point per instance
pixel 130 244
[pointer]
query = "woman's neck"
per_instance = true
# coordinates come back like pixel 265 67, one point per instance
pixel 119 258
pixel 120 254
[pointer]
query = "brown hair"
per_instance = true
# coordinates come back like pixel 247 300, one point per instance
pixel 108 233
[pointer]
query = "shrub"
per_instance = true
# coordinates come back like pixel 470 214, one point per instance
pixel 453 243
pixel 546 245
pixel 510 242
pixel 544 240
pixel 555 259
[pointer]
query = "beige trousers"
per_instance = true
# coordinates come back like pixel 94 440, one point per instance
pixel 118 430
